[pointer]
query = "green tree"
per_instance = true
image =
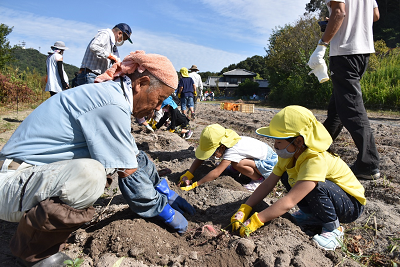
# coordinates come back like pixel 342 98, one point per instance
pixel 254 64
pixel 319 6
pixel 5 48
pixel 246 88
pixel 287 55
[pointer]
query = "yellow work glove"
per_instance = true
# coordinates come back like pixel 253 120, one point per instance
pixel 188 175
pixel 241 215
pixel 190 187
pixel 250 225
pixel 171 130
pixel 154 126
pixel 179 95
pixel 195 93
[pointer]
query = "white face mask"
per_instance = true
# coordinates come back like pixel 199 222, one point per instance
pixel 120 43
pixel 284 153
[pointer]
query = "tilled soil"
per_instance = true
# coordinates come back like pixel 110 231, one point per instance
pixel 117 236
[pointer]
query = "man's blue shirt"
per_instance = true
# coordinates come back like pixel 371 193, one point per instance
pixel 88 121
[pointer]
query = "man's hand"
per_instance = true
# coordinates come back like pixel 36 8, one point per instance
pixel 113 58
pixel 190 187
pixel 250 225
pixel 240 216
pixel 318 65
pixel 317 58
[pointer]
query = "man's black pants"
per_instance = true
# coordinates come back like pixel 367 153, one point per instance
pixel 346 108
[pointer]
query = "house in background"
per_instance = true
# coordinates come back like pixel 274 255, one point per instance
pixel 231 80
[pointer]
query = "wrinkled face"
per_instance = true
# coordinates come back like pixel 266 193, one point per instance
pixel 145 102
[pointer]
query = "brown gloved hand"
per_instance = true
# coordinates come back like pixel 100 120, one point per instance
pixel 113 58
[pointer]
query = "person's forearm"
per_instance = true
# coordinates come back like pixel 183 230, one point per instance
pixel 275 210
pixel 61 74
pixel 335 21
pixel 212 175
pixel 263 190
pixel 376 14
pixel 196 163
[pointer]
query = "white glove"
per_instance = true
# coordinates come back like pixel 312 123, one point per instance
pixel 318 64
pixel 148 127
pixel 317 58
pixel 321 71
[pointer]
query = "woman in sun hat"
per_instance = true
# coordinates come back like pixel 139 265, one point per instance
pixel 245 155
pixel 57 79
pixel 319 182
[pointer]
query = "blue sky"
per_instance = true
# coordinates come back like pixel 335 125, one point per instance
pixel 211 34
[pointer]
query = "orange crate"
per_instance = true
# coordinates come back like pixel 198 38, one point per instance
pixel 230 106
pixel 247 108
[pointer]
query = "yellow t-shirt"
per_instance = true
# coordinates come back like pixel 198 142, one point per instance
pixel 318 166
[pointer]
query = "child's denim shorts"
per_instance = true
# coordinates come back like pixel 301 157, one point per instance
pixel 265 166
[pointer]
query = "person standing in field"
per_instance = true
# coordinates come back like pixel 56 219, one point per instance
pixel 349 33
pixel 57 78
pixel 186 92
pixel 198 82
pixel 102 52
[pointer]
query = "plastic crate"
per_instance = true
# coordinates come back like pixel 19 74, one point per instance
pixel 231 106
pixel 247 108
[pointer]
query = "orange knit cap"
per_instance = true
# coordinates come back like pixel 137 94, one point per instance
pixel 158 65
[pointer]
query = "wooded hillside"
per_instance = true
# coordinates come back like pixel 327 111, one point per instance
pixel 33 59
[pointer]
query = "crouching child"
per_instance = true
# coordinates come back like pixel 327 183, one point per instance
pixel 246 155
pixel 179 122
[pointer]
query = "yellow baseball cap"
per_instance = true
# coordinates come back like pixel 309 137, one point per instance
pixel 212 137
pixel 293 121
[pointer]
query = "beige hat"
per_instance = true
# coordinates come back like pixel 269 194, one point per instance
pixel 59 45
pixel 194 68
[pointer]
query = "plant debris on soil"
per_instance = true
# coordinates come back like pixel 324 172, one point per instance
pixel 116 235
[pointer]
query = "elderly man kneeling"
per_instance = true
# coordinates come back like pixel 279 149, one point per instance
pixel 55 164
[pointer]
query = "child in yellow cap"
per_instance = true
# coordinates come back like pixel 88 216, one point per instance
pixel 319 182
pixel 247 155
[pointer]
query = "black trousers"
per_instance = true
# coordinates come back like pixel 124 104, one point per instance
pixel 346 108
pixel 329 204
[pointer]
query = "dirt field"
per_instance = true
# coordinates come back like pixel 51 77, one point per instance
pixel 116 233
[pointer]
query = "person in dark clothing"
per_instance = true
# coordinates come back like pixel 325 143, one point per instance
pixel 179 122
pixel 186 92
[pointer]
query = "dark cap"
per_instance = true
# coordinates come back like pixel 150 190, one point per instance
pixel 125 29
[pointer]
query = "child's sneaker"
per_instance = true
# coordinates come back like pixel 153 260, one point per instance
pixel 330 240
pixel 193 116
pixel 303 218
pixel 252 186
pixel 188 134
